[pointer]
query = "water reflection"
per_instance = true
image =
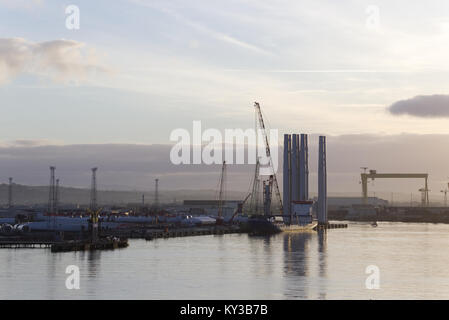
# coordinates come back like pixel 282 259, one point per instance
pixel 316 265
pixel 268 255
pixel 52 260
pixel 304 278
pixel 93 263
pixel 263 256
pixel 296 253
pixel 296 259
pixel 322 263
pixel 94 271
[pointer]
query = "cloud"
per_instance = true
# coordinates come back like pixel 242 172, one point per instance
pixel 21 3
pixel 434 106
pixel 61 60
pixel 204 29
pixel 27 143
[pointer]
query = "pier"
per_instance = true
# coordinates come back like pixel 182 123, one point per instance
pixel 64 246
pixel 331 226
pixel 88 246
pixel 17 244
pixel 189 232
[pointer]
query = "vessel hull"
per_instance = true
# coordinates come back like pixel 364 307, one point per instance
pixel 265 227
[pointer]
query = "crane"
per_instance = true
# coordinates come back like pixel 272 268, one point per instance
pixel 240 205
pixel 254 202
pixel 373 174
pixel 268 153
pixel 220 195
pixel 267 191
pixel 93 223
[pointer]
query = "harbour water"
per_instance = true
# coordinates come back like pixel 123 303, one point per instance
pixel 412 259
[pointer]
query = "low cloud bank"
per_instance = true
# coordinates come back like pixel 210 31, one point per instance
pixel 434 106
pixel 134 167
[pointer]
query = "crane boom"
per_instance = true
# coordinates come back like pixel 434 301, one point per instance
pixel 268 153
pixel 220 196
pixel 237 210
pixel 255 190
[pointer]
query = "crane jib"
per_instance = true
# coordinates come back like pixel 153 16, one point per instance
pixel 268 152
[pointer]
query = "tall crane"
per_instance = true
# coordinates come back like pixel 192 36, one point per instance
pixel 267 191
pixel 254 201
pixel 239 208
pixel 220 194
pixel 268 153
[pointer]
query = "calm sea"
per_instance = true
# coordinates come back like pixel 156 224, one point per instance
pixel 412 260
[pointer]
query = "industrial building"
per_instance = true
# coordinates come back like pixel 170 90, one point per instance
pixel 210 207
pixel 334 203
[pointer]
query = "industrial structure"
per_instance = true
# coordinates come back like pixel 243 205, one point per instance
pixel 156 194
pixel 295 170
pixel 445 195
pixel 221 191
pixel 286 174
pixel 93 190
pixel 210 207
pixel 255 191
pixel 10 204
pixel 322 183
pixel 268 154
pixel 304 168
pixel 372 174
pixel 56 196
pixel 267 192
pixel 52 191
pixel 296 178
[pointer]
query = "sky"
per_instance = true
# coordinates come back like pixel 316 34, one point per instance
pixel 135 70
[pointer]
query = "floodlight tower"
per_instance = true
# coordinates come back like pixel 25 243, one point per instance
pixel 93 190
pixel 56 196
pixel 445 196
pixel 156 194
pixel 52 191
pixel 10 193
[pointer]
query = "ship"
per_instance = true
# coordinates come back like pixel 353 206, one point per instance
pixel 295 208
pixel 300 220
pixel 271 225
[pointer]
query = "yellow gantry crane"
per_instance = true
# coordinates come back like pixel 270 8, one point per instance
pixel 372 174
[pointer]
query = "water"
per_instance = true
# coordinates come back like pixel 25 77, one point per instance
pixel 412 259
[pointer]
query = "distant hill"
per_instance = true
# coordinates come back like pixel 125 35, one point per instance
pixel 38 195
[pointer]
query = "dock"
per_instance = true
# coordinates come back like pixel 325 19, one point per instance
pixel 189 232
pixel 89 246
pixel 331 226
pixel 19 244
pixel 64 246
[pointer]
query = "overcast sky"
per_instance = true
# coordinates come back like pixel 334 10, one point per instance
pixel 138 69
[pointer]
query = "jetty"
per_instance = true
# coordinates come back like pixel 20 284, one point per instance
pixel 330 226
pixel 188 232
pixel 102 244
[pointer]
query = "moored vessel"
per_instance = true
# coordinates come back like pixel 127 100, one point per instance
pixel 263 225
pixel 299 220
